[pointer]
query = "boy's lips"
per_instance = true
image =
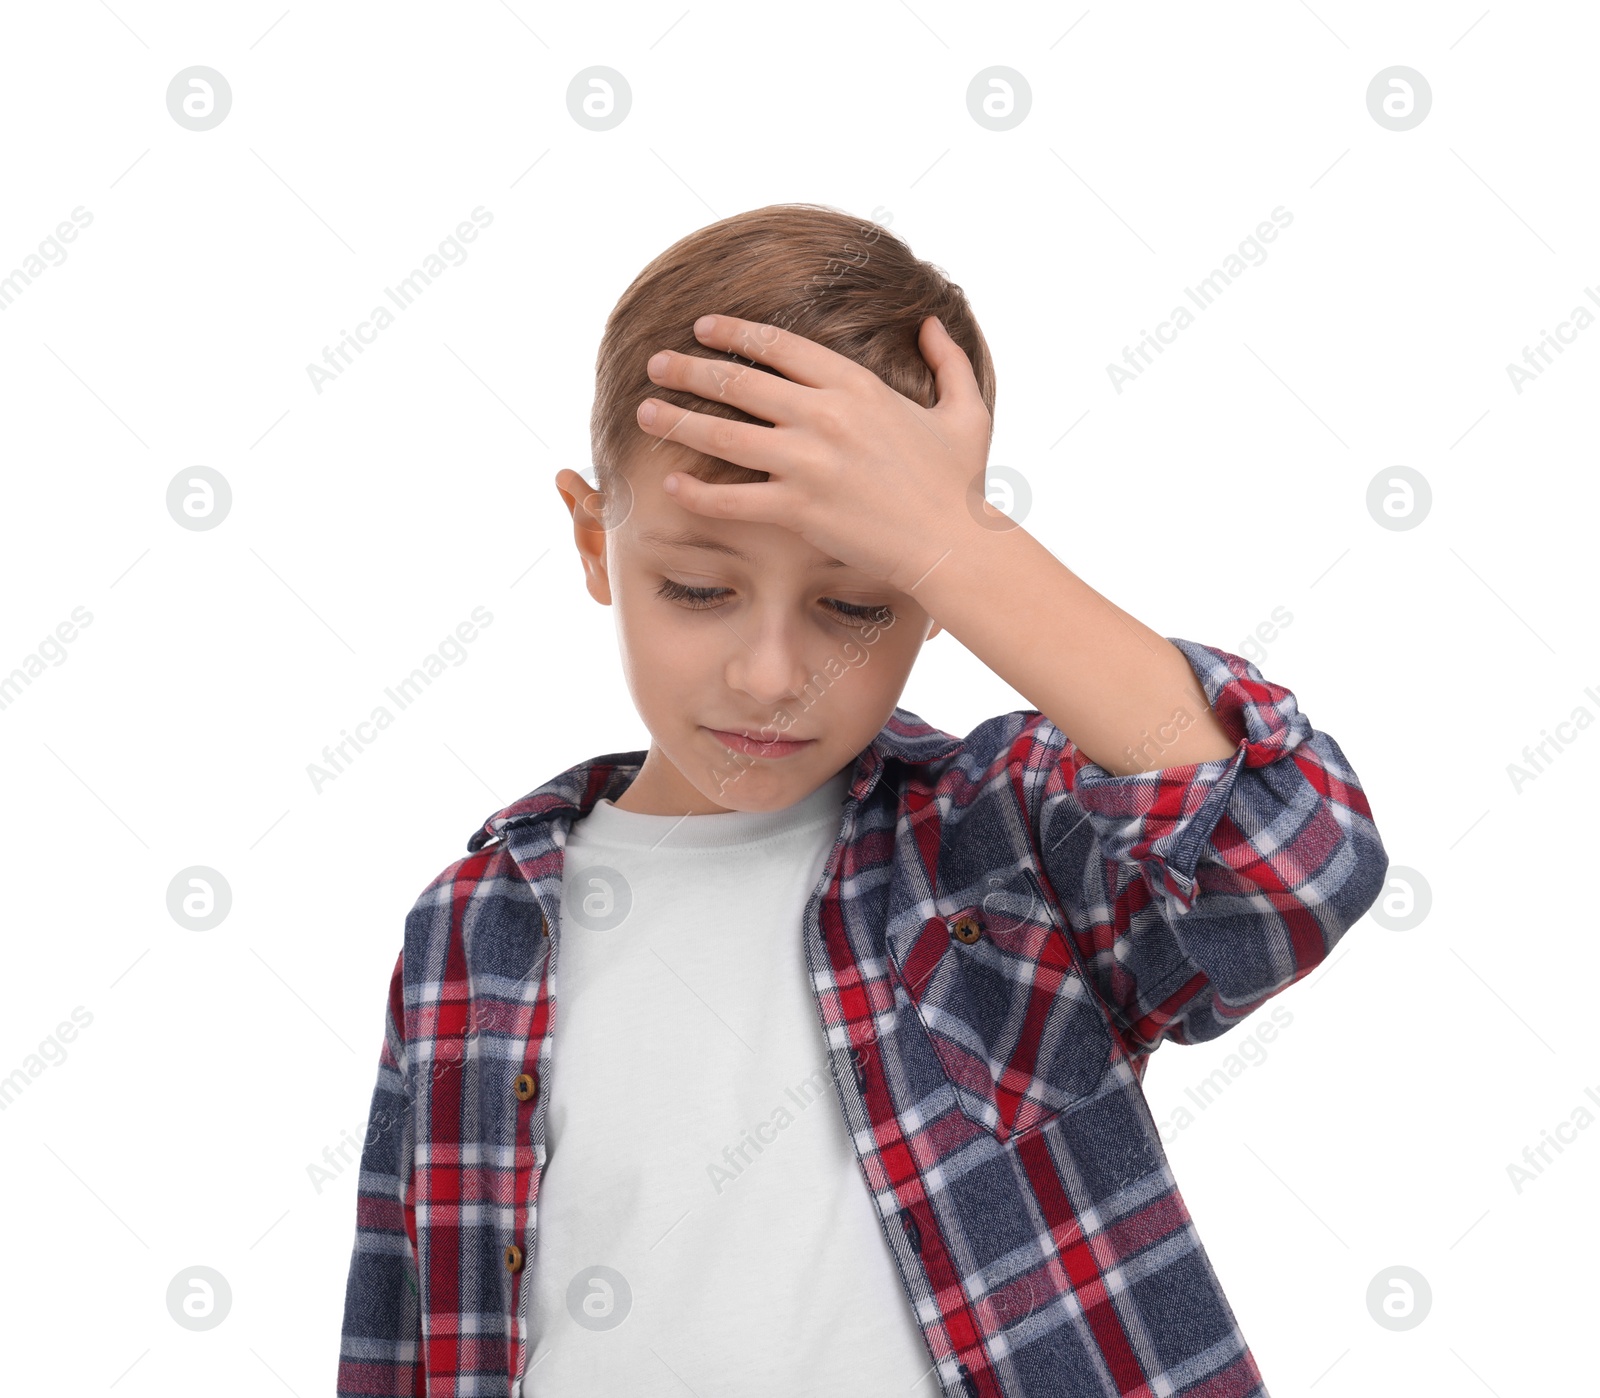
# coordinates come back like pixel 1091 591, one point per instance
pixel 739 741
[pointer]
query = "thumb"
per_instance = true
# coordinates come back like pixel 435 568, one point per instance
pixel 953 379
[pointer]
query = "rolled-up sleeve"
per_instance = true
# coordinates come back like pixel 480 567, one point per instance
pixel 1194 894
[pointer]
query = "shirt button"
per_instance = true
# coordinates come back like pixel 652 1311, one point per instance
pixel 966 929
pixel 513 1258
pixel 913 1233
pixel 525 1086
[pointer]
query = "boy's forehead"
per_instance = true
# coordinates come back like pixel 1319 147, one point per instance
pixel 657 523
pixel 745 543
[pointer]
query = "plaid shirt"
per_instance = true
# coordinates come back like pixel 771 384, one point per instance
pixel 1003 933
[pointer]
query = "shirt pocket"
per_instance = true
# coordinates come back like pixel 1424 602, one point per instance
pixel 1018 1031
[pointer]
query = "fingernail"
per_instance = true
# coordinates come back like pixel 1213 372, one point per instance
pixel 647 413
pixel 705 325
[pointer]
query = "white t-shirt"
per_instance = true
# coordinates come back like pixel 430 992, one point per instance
pixel 697 1153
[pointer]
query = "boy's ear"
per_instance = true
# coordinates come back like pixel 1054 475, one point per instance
pixel 588 533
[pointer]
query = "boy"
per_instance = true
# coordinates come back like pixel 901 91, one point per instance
pixel 842 1095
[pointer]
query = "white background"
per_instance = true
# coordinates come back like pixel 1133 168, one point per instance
pixel 370 519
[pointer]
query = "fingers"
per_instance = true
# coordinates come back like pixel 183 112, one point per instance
pixel 758 393
pixel 795 357
pixel 743 443
pixel 754 502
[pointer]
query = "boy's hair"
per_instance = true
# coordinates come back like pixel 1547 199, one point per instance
pixel 848 284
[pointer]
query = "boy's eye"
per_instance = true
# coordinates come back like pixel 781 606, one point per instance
pixel 700 598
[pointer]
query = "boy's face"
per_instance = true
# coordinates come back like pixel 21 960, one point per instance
pixel 786 646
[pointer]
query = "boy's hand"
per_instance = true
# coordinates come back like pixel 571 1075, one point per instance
pixel 856 469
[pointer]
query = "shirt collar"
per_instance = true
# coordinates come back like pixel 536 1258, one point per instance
pixel 904 737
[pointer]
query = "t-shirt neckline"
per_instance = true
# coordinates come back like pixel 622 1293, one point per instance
pixel 606 822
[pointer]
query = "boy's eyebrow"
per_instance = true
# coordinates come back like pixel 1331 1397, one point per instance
pixel 689 539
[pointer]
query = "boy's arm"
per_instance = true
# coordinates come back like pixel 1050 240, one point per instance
pixel 1208 845
pixel 1195 893
pixel 380 1351
pixel 1126 696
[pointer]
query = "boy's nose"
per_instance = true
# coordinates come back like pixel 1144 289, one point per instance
pixel 772 669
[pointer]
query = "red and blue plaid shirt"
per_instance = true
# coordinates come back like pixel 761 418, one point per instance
pixel 1003 933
